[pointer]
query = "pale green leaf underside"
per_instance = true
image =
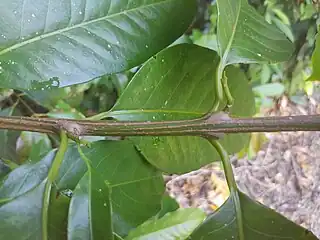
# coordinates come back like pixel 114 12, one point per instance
pixel 176 225
pixel 49 43
pixel 245 37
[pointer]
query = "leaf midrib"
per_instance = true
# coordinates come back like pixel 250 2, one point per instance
pixel 82 24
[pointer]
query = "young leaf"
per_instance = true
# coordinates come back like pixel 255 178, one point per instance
pixel 90 209
pixel 315 76
pixel 176 84
pixel 258 222
pixel 245 37
pixel 175 225
pixel 53 43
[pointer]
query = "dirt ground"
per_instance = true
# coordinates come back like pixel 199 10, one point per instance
pixel 285 174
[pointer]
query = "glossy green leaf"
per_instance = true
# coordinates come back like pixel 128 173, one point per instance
pixel 258 222
pixel 315 76
pixel 245 37
pixel 176 225
pixel 178 83
pixel 53 43
pixel 90 209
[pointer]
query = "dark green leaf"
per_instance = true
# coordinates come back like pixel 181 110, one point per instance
pixel 90 209
pixel 175 225
pixel 178 83
pixel 315 76
pixel 258 222
pixel 245 37
pixel 45 44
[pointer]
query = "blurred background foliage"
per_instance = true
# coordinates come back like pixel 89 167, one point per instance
pixel 296 18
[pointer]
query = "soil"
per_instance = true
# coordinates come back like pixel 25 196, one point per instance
pixel 284 175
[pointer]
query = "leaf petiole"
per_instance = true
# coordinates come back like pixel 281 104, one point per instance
pixel 231 183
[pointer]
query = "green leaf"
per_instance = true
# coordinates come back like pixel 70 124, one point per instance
pixel 243 106
pixel 64 110
pixel 168 204
pixel 25 211
pixel 72 170
pixel 21 217
pixel 25 178
pixel 90 209
pixel 245 37
pixel 45 44
pixel 315 76
pixel 176 84
pixel 32 146
pixel 258 222
pixel 29 208
pixel 136 186
pixel 176 225
pixel 58 212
